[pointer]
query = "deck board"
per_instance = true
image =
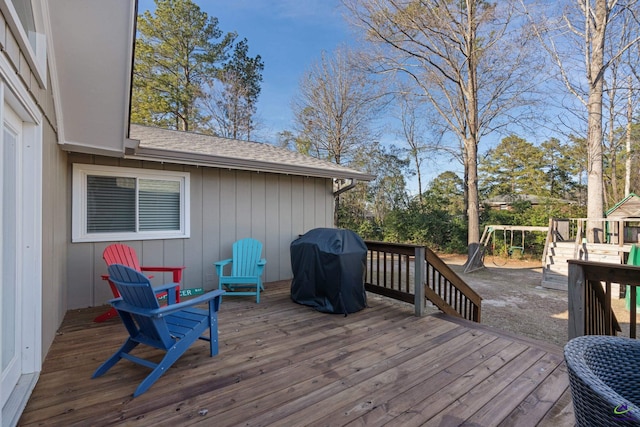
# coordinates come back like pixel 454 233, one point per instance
pixel 285 364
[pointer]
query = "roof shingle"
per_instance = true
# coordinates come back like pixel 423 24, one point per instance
pixel 206 150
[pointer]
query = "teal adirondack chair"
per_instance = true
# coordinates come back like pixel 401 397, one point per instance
pixel 246 269
pixel 172 328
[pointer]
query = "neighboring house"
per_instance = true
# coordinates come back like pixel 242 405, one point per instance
pixel 65 76
pixel 506 201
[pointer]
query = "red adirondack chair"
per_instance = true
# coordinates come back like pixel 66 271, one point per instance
pixel 126 255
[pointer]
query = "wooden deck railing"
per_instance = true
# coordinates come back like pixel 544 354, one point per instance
pixel 394 269
pixel 589 295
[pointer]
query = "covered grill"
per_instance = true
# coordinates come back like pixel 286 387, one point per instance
pixel 328 270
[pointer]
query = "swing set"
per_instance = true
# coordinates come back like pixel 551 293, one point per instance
pixel 501 248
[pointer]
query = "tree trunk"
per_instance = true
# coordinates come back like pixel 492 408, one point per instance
pixel 613 153
pixel 473 213
pixel 627 164
pixel 595 205
pixel 466 190
pixel 470 90
pixel 417 161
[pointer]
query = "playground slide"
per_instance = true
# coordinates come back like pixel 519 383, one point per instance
pixel 634 259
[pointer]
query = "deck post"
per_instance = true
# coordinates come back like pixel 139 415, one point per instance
pixel 418 280
pixel 576 294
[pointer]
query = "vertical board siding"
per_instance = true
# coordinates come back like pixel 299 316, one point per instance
pixel 298 209
pixel 259 211
pixel 259 214
pixel 82 280
pixel 55 231
pixel 210 226
pixel 174 255
pixel 226 205
pixel 326 187
pixel 243 207
pixel 228 212
pixel 195 270
pixel 271 223
pixel 309 208
pixel 288 230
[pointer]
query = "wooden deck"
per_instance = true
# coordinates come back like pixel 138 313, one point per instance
pixel 285 364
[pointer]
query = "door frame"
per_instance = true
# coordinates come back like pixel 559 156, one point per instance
pixel 14 94
pixel 11 275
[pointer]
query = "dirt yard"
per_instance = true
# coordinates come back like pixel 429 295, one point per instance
pixel 513 299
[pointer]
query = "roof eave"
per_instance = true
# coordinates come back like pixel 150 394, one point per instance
pixel 92 100
pixel 196 159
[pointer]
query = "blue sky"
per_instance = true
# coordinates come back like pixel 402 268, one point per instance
pixel 289 35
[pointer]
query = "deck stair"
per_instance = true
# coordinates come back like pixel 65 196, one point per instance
pixel 555 268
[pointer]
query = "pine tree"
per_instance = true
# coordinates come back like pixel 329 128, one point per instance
pixel 178 50
pixel 512 168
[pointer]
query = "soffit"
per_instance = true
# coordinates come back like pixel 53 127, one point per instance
pixel 90 55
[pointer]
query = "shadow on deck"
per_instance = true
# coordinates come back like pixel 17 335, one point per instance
pixel 281 363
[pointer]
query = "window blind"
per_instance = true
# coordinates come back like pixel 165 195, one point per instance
pixel 159 205
pixel 111 204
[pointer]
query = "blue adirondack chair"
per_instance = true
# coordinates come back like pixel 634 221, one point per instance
pixel 172 328
pixel 246 269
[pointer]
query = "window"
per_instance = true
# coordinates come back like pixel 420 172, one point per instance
pixel 111 203
pixel 25 19
pixel 24 10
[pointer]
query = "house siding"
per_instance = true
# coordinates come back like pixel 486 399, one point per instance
pixel 55 232
pixel 226 205
pixel 54 185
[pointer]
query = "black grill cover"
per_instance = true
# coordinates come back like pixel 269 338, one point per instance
pixel 328 270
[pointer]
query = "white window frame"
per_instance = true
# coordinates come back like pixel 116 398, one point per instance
pixel 79 204
pixel 36 58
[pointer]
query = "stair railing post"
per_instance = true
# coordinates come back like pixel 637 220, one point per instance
pixel 576 295
pixel 419 277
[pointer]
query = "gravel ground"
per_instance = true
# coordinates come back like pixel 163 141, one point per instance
pixel 513 300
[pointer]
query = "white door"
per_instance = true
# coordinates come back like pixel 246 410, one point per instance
pixel 10 280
